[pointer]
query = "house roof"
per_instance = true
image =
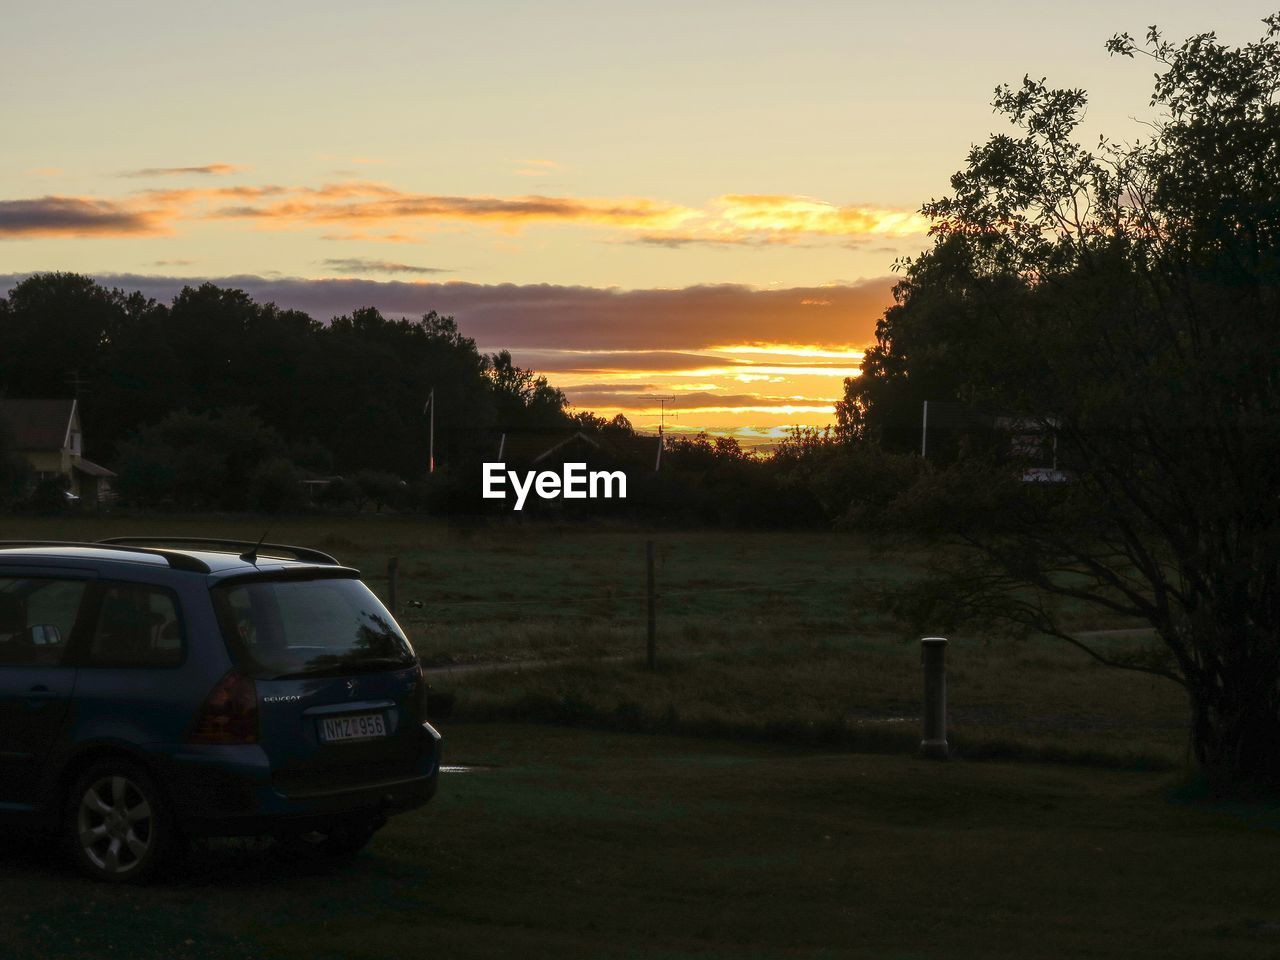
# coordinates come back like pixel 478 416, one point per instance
pixel 91 468
pixel 38 424
pixel 536 447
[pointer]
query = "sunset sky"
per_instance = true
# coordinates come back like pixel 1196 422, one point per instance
pixel 699 199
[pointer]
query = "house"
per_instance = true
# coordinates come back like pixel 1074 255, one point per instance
pixel 547 449
pixel 46 433
pixel 950 431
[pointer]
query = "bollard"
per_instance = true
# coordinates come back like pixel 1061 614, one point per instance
pixel 933 655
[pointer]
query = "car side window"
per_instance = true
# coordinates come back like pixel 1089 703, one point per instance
pixel 137 626
pixel 36 618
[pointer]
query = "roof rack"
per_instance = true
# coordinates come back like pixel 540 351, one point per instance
pixel 176 561
pixel 305 554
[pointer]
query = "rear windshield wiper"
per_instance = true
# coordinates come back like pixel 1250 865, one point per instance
pixel 339 669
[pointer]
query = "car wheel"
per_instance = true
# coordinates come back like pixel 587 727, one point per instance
pixel 118 824
pixel 340 842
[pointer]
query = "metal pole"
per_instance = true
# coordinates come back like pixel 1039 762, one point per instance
pixel 393 583
pixel 933 655
pixel 651 594
pixel 431 453
pixel 924 431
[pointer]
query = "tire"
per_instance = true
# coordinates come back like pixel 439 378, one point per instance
pixel 118 824
pixel 341 842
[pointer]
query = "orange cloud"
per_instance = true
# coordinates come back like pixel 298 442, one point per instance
pixel 765 220
pixel 742 219
pixel 377 203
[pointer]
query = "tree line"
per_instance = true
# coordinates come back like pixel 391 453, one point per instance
pixel 217 402
pixel 223 399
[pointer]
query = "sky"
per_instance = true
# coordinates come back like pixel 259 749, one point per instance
pixel 698 200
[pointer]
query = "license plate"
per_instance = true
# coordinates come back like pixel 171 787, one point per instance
pixel 361 726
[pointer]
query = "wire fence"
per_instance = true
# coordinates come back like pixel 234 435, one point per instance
pixel 612 598
pixel 584 609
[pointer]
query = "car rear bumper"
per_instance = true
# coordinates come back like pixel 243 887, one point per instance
pixel 233 791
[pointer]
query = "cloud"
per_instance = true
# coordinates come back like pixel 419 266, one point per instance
pixel 600 322
pixel 362 265
pixel 698 402
pixel 376 237
pixel 362 206
pixel 54 216
pixel 676 240
pixel 695 400
pixel 771 219
pixel 207 170
pixel 730 220
pixel 616 361
pixel 797 214
pixel 537 168
pixel 376 203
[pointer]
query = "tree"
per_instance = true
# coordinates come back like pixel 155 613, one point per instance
pixel 16 475
pixel 1126 299
pixel 224 459
pixel 522 398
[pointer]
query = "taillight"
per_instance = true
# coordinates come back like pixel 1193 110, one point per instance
pixel 229 714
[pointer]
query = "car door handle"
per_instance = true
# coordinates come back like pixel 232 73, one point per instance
pixel 42 693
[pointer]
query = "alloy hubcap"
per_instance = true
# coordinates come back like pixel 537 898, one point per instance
pixel 115 824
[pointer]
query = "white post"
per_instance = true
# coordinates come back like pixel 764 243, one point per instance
pixel 431 446
pixel 933 657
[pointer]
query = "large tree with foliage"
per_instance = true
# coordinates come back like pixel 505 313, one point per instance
pixel 1125 297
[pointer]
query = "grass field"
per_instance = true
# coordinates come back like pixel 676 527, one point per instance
pixel 767 635
pixel 788 820
pixel 577 844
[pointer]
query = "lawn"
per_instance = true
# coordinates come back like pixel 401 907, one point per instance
pixel 567 843
pixel 787 819
pixel 764 635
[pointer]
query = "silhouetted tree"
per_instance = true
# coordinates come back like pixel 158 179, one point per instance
pixel 16 475
pixel 522 398
pixel 202 460
pixel 1125 298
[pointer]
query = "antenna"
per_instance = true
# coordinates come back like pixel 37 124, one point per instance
pixel 251 555
pixel 663 400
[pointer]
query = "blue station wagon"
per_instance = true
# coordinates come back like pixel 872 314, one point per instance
pixel 154 690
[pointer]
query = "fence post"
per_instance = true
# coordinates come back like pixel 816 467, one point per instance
pixel 393 584
pixel 933 656
pixel 651 596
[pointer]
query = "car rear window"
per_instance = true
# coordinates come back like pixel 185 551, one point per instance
pixel 293 627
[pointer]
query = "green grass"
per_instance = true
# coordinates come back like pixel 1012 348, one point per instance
pixel 581 844
pixel 763 635
pixel 589 832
